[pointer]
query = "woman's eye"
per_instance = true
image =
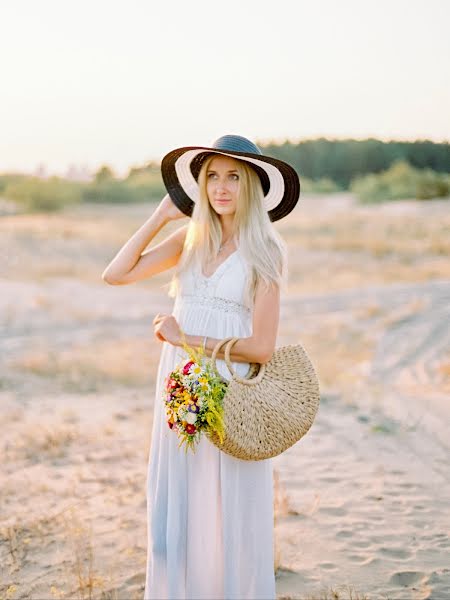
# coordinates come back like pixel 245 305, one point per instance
pixel 233 176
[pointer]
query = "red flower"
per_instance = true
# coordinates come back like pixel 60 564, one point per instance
pixel 187 366
pixel 190 428
pixel 170 424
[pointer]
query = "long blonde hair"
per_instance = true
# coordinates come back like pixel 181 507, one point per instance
pixel 261 246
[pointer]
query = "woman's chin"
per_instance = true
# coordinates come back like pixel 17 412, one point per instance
pixel 224 208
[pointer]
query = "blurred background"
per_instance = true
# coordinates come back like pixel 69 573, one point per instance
pixel 355 96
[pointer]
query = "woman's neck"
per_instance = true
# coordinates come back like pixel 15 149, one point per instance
pixel 227 227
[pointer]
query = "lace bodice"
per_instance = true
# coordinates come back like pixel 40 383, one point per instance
pixel 222 291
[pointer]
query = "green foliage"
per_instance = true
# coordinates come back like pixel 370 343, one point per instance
pixel 324 165
pixel 123 191
pixel 325 185
pixel 104 174
pixel 107 191
pixel 35 195
pixel 9 178
pixel 343 160
pixel 401 181
pixel 141 185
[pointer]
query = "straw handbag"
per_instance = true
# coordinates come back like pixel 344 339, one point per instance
pixel 267 412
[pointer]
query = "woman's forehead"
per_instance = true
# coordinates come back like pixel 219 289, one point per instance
pixel 223 161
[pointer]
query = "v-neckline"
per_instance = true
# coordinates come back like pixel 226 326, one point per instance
pixel 219 267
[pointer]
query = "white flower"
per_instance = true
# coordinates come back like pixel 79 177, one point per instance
pixel 191 417
pixel 181 411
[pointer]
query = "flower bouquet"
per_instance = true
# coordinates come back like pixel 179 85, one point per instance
pixel 193 394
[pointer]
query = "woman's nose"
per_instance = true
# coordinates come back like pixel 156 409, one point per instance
pixel 222 185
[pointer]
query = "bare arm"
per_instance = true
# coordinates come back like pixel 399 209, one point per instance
pixel 131 264
pixel 259 347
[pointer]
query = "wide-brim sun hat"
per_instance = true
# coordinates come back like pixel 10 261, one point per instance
pixel 280 182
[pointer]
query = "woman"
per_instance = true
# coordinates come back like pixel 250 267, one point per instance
pixel 210 515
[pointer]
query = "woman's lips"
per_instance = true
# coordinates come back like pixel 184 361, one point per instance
pixel 222 200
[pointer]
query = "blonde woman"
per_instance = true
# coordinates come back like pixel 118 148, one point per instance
pixel 210 515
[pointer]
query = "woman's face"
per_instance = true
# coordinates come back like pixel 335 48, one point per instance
pixel 222 184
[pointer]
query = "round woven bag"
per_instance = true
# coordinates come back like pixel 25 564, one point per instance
pixel 272 407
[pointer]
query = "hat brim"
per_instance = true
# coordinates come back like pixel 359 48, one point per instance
pixel 280 181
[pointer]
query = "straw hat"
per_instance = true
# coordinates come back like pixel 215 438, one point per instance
pixel 280 183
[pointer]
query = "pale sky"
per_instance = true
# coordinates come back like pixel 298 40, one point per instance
pixel 121 82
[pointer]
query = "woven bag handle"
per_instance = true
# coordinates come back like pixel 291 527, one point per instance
pixel 230 341
pixel 253 380
pixel 217 347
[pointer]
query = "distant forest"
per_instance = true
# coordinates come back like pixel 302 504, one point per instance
pixel 343 160
pixel 375 171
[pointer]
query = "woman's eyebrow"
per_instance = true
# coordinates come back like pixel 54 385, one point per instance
pixel 230 171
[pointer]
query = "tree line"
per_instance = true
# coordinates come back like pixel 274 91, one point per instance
pixel 374 170
pixel 343 160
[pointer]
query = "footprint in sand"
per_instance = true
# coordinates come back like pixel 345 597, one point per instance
pixel 396 553
pixel 362 543
pixel 344 533
pixel 328 566
pixel 406 485
pixel 397 472
pixel 330 479
pixel 442 540
pixel 289 579
pixel 361 559
pixel 335 511
pixel 407 578
pixel 377 518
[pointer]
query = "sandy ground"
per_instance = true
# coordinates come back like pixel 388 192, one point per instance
pixel 361 502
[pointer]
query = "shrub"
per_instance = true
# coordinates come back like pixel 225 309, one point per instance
pixel 401 181
pixel 9 178
pixel 324 185
pixel 35 195
pixel 121 192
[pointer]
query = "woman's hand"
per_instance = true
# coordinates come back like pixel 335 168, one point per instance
pixel 166 329
pixel 169 210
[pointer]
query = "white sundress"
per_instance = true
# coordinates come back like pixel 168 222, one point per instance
pixel 210 515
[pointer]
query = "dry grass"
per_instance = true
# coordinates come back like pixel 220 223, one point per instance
pixel 37 441
pixel 78 576
pixel 338 592
pixel 333 250
pixel 83 571
pixel 78 242
pixel 344 592
pixel 92 366
pixel 442 372
pixel 339 352
pixel 18 536
pixel 341 592
pixel 356 245
pixel 373 232
pixel 79 223
pixel 282 509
